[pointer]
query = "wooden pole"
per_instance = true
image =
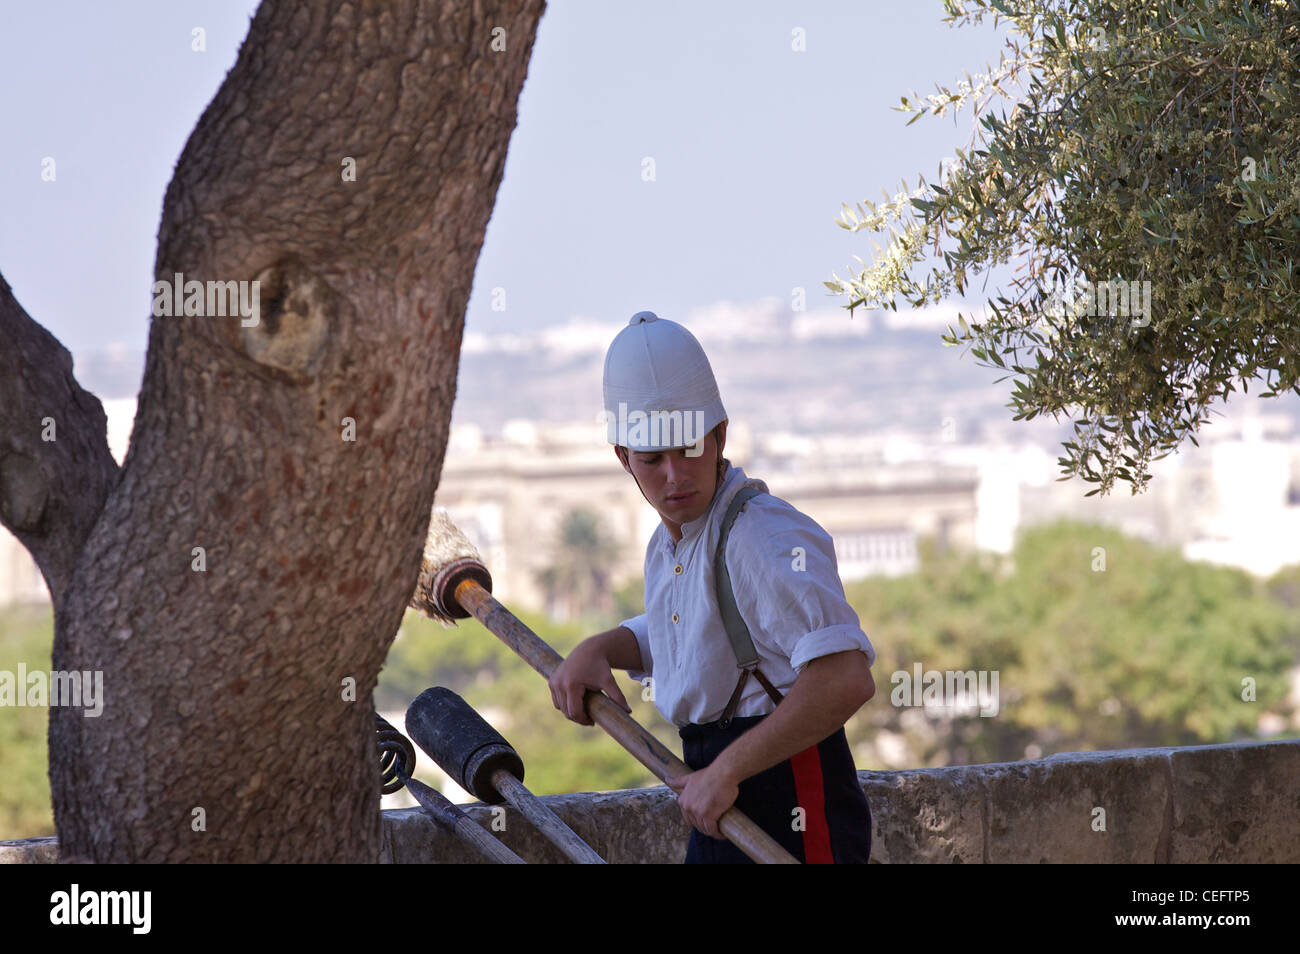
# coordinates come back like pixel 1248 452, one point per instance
pixel 739 829
pixel 464 827
pixel 543 819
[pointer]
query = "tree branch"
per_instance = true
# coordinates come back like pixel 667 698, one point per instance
pixel 55 466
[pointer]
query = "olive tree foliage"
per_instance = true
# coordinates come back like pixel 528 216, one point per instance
pixel 1133 167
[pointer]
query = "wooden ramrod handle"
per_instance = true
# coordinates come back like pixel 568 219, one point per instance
pixel 738 827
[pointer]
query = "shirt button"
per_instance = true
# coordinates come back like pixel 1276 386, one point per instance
pixel 678 569
pixel 674 617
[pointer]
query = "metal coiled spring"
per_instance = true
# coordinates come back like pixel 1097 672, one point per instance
pixel 396 756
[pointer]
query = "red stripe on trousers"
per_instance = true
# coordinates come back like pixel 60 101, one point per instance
pixel 808 789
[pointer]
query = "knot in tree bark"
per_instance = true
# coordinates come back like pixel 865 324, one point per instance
pixel 296 312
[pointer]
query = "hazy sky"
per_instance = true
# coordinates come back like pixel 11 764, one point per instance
pixel 755 146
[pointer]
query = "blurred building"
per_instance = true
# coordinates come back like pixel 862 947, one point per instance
pixel 511 494
pixel 1234 500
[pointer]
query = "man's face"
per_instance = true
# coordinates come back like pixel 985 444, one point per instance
pixel 678 485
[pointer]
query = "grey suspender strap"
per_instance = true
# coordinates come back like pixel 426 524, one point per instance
pixel 742 644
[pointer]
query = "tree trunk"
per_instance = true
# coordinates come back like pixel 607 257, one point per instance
pixel 228 731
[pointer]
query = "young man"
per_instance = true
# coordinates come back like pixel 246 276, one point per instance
pixel 775 598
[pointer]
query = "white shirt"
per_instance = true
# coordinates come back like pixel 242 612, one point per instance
pixel 787 587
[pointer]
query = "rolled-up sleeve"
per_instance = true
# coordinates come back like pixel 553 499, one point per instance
pixel 639 628
pixel 786 580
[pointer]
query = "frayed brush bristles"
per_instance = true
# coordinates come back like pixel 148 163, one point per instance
pixel 445 545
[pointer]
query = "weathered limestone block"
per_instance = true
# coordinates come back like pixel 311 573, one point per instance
pixel 926 815
pixel 1236 803
pixel 1078 808
pixel 639 826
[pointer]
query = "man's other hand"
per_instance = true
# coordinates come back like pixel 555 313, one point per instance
pixel 704 796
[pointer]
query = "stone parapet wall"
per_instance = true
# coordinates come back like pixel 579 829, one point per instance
pixel 1238 802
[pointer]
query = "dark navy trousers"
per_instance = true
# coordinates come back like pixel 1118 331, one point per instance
pixel 812 804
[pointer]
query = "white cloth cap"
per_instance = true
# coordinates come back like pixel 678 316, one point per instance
pixel 660 392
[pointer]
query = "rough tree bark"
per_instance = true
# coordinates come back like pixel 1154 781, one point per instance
pixel 225 687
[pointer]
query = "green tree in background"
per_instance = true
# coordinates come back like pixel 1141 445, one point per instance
pixel 26 636
pixel 577 577
pixel 1141 175
pixel 1100 641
